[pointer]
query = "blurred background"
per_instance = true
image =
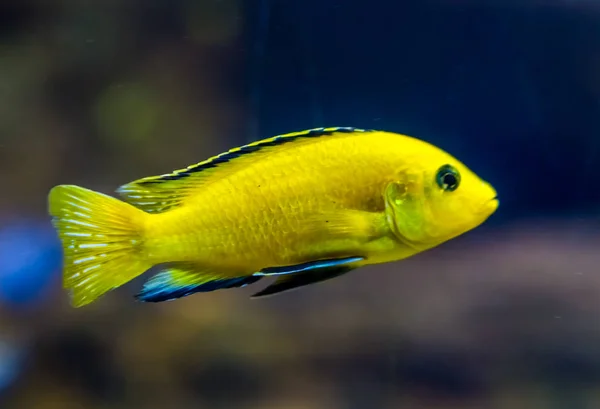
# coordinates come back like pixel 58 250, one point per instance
pixel 102 92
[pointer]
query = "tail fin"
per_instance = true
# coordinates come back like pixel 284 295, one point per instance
pixel 102 240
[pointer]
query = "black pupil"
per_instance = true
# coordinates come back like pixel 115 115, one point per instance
pixel 449 179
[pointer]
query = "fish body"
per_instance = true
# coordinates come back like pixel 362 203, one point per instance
pixel 305 207
pixel 298 204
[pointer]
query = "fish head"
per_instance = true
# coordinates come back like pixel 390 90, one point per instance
pixel 435 198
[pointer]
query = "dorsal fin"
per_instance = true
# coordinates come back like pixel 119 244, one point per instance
pixel 157 194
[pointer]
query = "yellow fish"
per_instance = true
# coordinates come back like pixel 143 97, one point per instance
pixel 305 207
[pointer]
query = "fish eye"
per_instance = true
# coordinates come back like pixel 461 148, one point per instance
pixel 448 178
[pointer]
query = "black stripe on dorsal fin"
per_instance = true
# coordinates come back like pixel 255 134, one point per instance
pixel 245 149
pixel 157 194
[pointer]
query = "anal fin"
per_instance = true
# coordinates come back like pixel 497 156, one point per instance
pixel 179 280
pixel 293 281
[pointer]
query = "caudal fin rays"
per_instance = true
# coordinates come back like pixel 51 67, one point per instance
pixel 101 241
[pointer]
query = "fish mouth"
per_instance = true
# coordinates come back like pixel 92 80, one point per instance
pixel 490 205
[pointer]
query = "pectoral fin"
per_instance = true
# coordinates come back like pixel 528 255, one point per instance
pixel 346 223
pixel 293 281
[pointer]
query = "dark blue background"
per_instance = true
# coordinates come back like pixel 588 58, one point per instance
pixel 507 89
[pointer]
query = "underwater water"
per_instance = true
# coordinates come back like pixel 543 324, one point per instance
pixel 100 93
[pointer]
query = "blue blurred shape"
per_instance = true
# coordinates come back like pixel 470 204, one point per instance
pixel 30 258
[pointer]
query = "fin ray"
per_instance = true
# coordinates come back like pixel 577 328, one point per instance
pixel 101 241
